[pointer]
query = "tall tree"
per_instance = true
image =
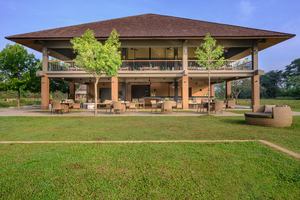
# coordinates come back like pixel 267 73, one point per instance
pixel 292 78
pixel 16 67
pixel 271 83
pixel 97 58
pixel 211 56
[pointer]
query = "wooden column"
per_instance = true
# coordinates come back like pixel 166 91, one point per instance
pixel 175 90
pixel 45 80
pixel 255 79
pixel 228 89
pixel 44 92
pixel 45 59
pixel 185 92
pixel 114 88
pixel 185 57
pixel 212 90
pixel 72 90
pixel 255 92
pixel 128 91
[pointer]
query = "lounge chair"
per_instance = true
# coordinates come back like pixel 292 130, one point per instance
pixel 132 106
pixel 154 105
pixel 57 107
pixel 230 103
pixel 218 106
pixel 118 107
pixel 270 115
pixel 167 107
pixel 108 105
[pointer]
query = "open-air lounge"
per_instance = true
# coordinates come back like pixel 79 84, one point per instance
pixel 159 71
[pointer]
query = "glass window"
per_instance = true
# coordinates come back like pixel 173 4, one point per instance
pixel 130 55
pixel 142 53
pixel 158 53
pixel 170 53
pixel 179 53
pixel 191 53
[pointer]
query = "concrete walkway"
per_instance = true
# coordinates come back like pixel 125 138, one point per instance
pixel 267 143
pixel 35 111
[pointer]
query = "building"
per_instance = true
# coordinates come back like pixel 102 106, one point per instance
pixel 158 57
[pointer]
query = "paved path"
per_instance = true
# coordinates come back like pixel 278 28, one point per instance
pixel 35 111
pixel 32 111
pixel 267 143
pixel 123 141
pixel 280 148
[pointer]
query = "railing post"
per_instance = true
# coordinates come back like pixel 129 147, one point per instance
pixel 185 57
pixel 45 59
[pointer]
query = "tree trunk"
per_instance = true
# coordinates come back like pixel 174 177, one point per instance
pixel 96 94
pixel 208 106
pixel 18 98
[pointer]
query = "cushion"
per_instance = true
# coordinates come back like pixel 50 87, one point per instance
pixel 258 115
pixel 269 108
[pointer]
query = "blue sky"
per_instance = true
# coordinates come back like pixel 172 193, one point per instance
pixel 19 16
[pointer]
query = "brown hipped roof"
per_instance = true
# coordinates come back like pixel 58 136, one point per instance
pixel 153 26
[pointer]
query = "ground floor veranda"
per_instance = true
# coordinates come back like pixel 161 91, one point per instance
pixel 184 90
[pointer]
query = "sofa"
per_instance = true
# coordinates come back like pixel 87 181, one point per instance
pixel 270 115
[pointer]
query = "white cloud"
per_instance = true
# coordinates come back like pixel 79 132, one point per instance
pixel 246 8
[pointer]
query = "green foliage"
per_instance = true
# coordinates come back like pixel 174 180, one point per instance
pixel 18 68
pixel 271 84
pixel 209 54
pixel 95 57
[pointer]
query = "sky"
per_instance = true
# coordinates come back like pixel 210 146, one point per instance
pixel 20 16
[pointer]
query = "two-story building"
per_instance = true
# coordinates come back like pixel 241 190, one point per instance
pixel 158 54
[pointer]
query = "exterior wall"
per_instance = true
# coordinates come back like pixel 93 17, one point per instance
pixel 199 87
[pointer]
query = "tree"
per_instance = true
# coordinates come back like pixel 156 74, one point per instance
pixel 241 88
pixel 271 83
pixel 97 58
pixel 16 68
pixel 211 56
pixel 291 77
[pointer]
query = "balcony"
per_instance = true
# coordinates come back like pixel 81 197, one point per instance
pixel 152 65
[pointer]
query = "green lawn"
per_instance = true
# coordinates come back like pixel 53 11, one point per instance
pixel 144 128
pixel 147 171
pixel 293 103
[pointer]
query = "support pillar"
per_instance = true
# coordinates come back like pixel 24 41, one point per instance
pixel 255 92
pixel 185 92
pixel 175 90
pixel 255 79
pixel 114 88
pixel 45 80
pixel 228 90
pixel 212 90
pixel 185 58
pixel 72 90
pixel 45 92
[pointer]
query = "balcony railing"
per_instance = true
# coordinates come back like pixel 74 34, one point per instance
pixel 147 65
pixel 152 65
pixel 228 65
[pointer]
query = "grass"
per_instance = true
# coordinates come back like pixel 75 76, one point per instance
pixel 144 128
pixel 147 171
pixel 293 103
